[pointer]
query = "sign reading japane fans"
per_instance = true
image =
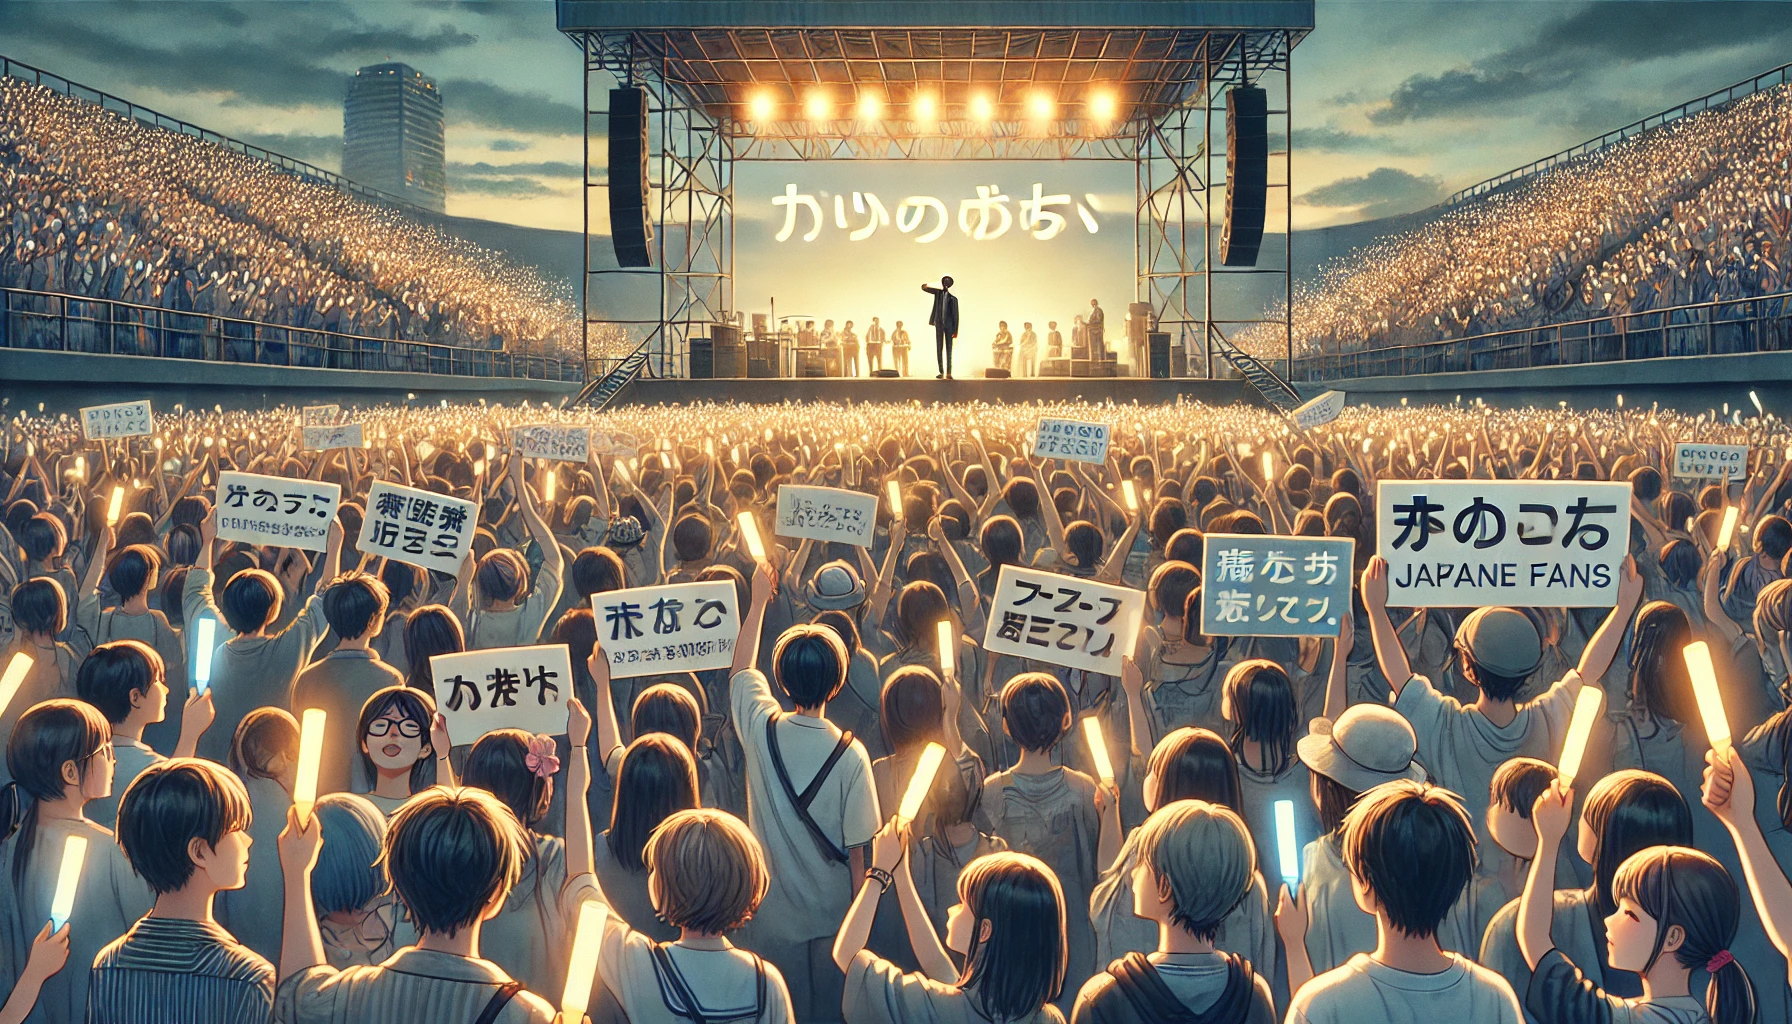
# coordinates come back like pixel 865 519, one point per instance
pixel 1274 586
pixel 125 419
pixel 420 528
pixel 276 510
pixel 319 415
pixel 1063 620
pixel 1071 439
pixel 826 514
pixel 1693 460
pixel 503 688
pixel 682 627
pixel 318 439
pixel 1473 543
pixel 545 441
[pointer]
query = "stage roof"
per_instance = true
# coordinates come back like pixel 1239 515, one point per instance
pixel 614 15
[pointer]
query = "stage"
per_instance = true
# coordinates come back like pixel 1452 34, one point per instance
pixel 1122 390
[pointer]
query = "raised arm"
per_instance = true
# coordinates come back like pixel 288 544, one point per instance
pixel 301 946
pixel 881 593
pixel 609 732
pixel 1729 793
pixel 969 600
pixel 551 560
pixel 1603 647
pixel 1388 650
pixel 746 649
pixel 1335 695
pixel 1138 719
pixel 96 565
pixel 578 786
pixel 332 557
pixel 1549 816
pixel 1114 565
pixel 1714 606
pixel 793 571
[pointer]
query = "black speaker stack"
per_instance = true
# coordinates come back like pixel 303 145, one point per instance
pixel 1247 174
pixel 631 228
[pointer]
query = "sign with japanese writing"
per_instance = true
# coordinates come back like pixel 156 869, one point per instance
pixel 317 439
pixel 125 419
pixel 826 514
pixel 1063 620
pixel 503 688
pixel 684 627
pixel 416 527
pixel 1319 411
pixel 546 441
pixel 1473 543
pixel 1693 460
pixel 1256 585
pixel 320 415
pixel 276 510
pixel 1071 439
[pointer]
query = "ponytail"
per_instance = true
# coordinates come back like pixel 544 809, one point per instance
pixel 1676 885
pixel 46 737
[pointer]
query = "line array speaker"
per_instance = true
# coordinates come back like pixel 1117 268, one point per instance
pixel 1247 175
pixel 631 230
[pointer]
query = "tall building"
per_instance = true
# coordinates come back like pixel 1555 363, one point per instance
pixel 392 134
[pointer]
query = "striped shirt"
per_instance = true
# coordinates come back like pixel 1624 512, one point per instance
pixel 169 971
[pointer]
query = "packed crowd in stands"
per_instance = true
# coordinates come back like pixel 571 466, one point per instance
pixel 1697 210
pixel 741 824
pixel 97 204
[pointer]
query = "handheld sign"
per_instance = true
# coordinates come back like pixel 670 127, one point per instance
pixel 318 439
pixel 1098 749
pixel 1693 460
pixel 311 756
pixel 125 419
pixel 1072 439
pixel 1258 585
pixel 919 783
pixel 826 514
pixel 68 878
pixel 503 688
pixel 1580 729
pixel 1704 689
pixel 1728 530
pixel 319 415
pixel 275 510
pixel 421 528
pixel 116 506
pixel 948 650
pixel 587 939
pixel 1475 543
pixel 546 441
pixel 1287 843
pixel 202 653
pixel 680 627
pixel 895 490
pixel 16 670
pixel 1062 620
pixel 1319 411
pixel 749 530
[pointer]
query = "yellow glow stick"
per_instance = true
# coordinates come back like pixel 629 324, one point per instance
pixel 575 999
pixel 920 782
pixel 1586 711
pixel 548 488
pixel 1098 749
pixel 948 649
pixel 1728 529
pixel 1287 843
pixel 81 467
pixel 62 905
pixel 1131 494
pixel 749 529
pixel 1269 466
pixel 1704 687
pixel 311 754
pixel 116 507
pixel 16 670
pixel 895 489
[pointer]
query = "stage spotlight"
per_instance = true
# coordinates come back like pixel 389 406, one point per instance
pixel 817 106
pixel 982 109
pixel 871 106
pixel 927 107
pixel 760 107
pixel 1040 106
pixel 1103 105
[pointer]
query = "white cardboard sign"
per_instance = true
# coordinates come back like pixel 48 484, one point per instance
pixel 547 441
pixel 1063 620
pixel 1319 411
pixel 124 419
pixel 1693 460
pixel 826 514
pixel 319 415
pixel 503 688
pixel 417 527
pixel 317 439
pixel 1071 439
pixel 275 510
pixel 681 627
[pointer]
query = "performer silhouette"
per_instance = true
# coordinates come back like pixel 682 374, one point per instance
pixel 944 320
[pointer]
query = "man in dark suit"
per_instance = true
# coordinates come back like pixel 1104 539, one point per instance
pixel 944 320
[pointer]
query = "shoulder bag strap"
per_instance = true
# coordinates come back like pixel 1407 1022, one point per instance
pixel 801 801
pixel 501 998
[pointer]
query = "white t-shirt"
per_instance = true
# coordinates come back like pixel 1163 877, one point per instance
pixel 1363 990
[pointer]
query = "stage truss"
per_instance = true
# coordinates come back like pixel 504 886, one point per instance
pixel 1171 125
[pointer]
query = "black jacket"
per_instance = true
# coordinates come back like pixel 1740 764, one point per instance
pixel 945 310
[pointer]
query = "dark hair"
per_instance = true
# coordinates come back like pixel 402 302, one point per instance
pixel 919 608
pixel 810 664
pixel 657 778
pixel 502 575
pixel 46 737
pixel 350 873
pixel 1083 542
pixel 116 670
pixel 1001 540
pixel 1021 965
pixel 183 544
pixel 842 625
pixel 134 570
pixel 355 603
pixel 413 705
pixel 251 600
pixel 1645 483
pixel 1499 687
pixel 174 583
pixel 430 630
pixel 1170 585
pixel 42 537
pixel 1412 844
pixel 1773 537
pixel 1185 546
pixel 403 581
pixel 1332 799
pixel 264 734
pixel 1264 711
pixel 1680 886
pixel 1628 811
pixel 1659 682
pixel 496 765
pixel 1517 783
pixel 1022 495
pixel 667 708
pixel 1035 710
pixel 1195 764
pixel 692 539
pixel 1680 562
pixel 39 607
pixel 911 709
pixel 170 804
pixel 1168 518
pixel 451 853
pixel 598 570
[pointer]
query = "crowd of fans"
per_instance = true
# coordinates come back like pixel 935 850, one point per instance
pixel 1417 747
pixel 94 203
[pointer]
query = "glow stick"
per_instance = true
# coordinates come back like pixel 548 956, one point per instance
pixel 575 999
pixel 1728 530
pixel 548 488
pixel 1287 844
pixel 311 754
pixel 920 782
pixel 1757 400
pixel 895 489
pixel 81 467
pixel 62 905
pixel 1131 495
pixel 749 529
pixel 1269 466
pixel 116 507
pixel 1586 711
pixel 1704 687
pixel 16 670
pixel 479 467
pixel 202 654
pixel 948 649
pixel 1098 749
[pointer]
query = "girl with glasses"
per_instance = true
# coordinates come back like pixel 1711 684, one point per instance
pixel 399 750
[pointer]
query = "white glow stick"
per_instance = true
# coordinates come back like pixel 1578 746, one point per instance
pixel 920 782
pixel 1131 494
pixel 1757 400
pixel 1098 749
pixel 116 507
pixel 575 999
pixel 311 753
pixel 548 488
pixel 1269 466
pixel 1704 687
pixel 749 529
pixel 1586 711
pixel 1287 843
pixel 81 467
pixel 948 650
pixel 1728 529
pixel 202 654
pixel 62 905
pixel 16 670
pixel 895 489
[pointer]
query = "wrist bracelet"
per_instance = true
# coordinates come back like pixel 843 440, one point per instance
pixel 881 877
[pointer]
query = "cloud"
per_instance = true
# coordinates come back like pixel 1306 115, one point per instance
pixel 315 149
pixel 475 102
pixel 1327 139
pixel 1380 193
pixel 1582 46
pixel 508 145
pixel 508 188
pixel 545 168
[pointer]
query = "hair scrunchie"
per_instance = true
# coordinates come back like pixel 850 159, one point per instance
pixel 1719 961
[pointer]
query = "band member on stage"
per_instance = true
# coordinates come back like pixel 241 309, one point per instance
pixel 1054 341
pixel 1029 350
pixel 1003 347
pixel 1097 319
pixel 899 348
pixel 830 349
pixel 874 347
pixel 944 321
pixel 849 351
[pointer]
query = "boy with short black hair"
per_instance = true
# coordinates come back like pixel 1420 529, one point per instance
pixel 183 824
pixel 126 681
pixel 1410 849
pixel 341 682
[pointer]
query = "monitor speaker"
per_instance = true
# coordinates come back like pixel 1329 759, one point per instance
pixel 631 229
pixel 1247 174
